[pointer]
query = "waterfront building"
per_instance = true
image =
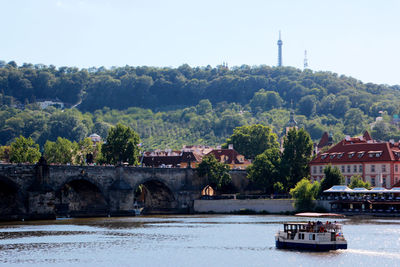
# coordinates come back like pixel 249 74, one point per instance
pixel 376 162
pixel 231 157
pixel 375 200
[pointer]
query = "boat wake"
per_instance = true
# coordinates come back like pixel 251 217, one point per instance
pixel 391 255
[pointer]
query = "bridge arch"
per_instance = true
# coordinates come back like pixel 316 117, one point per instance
pixel 11 200
pixel 81 195
pixel 155 195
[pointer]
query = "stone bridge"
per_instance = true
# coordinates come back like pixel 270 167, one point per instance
pixel 46 191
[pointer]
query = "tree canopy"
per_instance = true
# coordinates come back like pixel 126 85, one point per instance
pixel 24 150
pixel 333 176
pixel 121 145
pixel 252 140
pixel 61 151
pixel 216 172
pixel 356 181
pixel 304 193
pixel 296 155
pixel 170 107
pixel 265 171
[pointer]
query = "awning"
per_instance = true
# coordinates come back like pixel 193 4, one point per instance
pixel 338 189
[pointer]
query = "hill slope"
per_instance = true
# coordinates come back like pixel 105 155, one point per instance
pixel 174 106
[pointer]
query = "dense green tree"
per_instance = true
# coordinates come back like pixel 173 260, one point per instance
pixel 5 153
pixel 381 131
pixel 265 100
pixel 342 104
pixel 333 176
pixel 217 173
pixel 304 193
pixel 265 170
pixel 85 147
pixel 296 155
pixel 356 181
pixel 61 151
pixel 307 105
pixel 355 121
pixel 121 145
pixel 252 140
pixel 24 150
pixel 204 107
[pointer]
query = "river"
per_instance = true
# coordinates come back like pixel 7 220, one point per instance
pixel 198 240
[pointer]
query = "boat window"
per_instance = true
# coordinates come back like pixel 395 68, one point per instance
pixel 310 237
pixel 313 237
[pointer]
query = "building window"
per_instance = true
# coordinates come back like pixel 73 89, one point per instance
pixel 314 169
pixel 372 168
pixel 396 168
pixel 348 180
pixel 354 168
pixel 360 168
pixel 321 169
pixel 348 168
pixel 342 169
pixel 373 181
pixel 384 181
pixel 383 168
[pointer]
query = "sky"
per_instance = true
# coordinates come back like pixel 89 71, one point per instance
pixel 355 38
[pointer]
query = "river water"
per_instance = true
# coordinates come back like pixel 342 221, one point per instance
pixel 199 240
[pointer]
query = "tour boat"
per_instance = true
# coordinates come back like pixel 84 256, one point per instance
pixel 316 236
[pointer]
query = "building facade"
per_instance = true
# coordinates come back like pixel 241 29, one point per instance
pixel 376 162
pixel 231 157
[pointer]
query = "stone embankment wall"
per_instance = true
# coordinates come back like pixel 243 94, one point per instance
pixel 257 205
pixel 235 205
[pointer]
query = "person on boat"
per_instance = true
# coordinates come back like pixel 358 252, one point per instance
pixel 309 226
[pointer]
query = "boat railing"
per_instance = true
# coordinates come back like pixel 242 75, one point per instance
pixel 315 227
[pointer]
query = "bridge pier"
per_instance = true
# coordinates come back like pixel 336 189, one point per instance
pixel 121 196
pixel 41 196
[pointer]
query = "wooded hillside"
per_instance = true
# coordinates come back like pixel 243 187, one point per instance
pixel 169 107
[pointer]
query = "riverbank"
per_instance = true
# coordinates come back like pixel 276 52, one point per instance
pixel 263 206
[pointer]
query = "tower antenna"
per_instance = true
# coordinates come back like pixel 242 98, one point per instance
pixel 280 50
pixel 305 60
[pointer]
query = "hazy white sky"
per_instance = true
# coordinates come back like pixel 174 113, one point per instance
pixel 356 38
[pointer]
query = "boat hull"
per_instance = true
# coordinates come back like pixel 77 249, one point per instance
pixel 309 246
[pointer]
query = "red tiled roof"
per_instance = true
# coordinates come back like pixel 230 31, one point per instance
pixel 356 150
pixel 230 153
pixel 366 136
pixel 324 140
